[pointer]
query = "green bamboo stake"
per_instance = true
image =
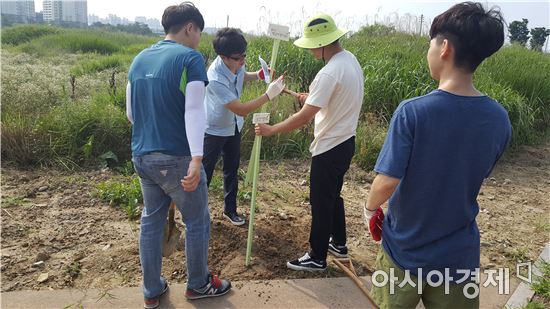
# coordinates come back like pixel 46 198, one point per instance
pixel 256 163
pixel 250 171
pixel 278 33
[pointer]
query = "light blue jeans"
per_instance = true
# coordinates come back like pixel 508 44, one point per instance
pixel 160 177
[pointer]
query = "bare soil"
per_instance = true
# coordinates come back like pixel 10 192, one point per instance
pixel 57 234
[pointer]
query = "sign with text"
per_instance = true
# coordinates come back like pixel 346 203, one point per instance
pixel 260 118
pixel 278 32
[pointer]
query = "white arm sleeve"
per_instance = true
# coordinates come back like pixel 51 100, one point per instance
pixel 195 116
pixel 129 102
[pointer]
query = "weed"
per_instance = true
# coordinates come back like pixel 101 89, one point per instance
pixel 244 196
pixel 105 294
pixel 126 169
pixel 519 254
pixel 12 201
pixel 126 196
pixel 73 270
pixel 542 224
pixel 73 108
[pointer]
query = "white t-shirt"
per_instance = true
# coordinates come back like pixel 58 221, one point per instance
pixel 338 90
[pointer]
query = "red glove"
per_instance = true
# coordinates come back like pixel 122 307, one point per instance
pixel 261 74
pixel 374 220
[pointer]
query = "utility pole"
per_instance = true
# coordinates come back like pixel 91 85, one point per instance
pixel 227 22
pixel 421 21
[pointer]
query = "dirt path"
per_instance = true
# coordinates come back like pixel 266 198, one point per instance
pixel 53 223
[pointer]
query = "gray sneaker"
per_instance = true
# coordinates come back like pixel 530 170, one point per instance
pixel 234 218
pixel 214 287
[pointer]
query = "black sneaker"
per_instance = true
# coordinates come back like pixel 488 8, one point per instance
pixel 307 263
pixel 214 287
pixel 234 218
pixel 337 250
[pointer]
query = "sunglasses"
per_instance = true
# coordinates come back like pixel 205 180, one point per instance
pixel 238 58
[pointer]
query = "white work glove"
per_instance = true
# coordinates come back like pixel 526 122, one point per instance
pixel 275 88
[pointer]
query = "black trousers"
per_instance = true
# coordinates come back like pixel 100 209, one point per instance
pixel 230 149
pixel 327 206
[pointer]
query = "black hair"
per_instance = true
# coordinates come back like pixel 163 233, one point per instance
pixel 474 33
pixel 229 41
pixel 176 17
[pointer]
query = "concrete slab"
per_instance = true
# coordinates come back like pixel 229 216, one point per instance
pixel 301 293
pixel 524 293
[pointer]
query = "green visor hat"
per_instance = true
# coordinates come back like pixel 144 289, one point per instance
pixel 320 30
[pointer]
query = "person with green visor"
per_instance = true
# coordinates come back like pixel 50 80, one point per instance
pixel 334 100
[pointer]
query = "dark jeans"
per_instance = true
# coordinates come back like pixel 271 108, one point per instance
pixel 327 206
pixel 230 149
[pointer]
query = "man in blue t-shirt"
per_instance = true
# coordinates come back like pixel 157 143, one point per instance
pixel 439 149
pixel 164 102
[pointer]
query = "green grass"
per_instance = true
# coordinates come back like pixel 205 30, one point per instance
pixel 26 33
pixel 63 92
pixel 528 73
pixel 43 41
pixel 534 305
pixel 117 62
pixel 541 286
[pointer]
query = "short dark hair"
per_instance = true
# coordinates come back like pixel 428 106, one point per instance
pixel 474 33
pixel 229 41
pixel 176 17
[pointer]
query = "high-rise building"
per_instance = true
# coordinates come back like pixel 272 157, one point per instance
pixel 152 23
pixel 66 11
pixel 20 11
pixel 51 11
pixel 74 11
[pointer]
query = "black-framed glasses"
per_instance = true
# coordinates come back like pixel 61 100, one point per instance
pixel 239 57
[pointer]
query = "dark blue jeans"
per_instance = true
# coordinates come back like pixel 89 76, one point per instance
pixel 230 149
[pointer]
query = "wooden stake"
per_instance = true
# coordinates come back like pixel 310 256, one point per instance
pixel 353 276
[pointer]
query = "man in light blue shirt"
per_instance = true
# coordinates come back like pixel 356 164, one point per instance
pixel 225 112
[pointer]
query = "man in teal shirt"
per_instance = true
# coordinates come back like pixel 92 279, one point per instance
pixel 165 93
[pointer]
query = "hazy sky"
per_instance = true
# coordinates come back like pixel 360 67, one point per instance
pixel 253 16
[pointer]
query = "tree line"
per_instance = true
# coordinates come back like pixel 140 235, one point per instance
pixel 519 33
